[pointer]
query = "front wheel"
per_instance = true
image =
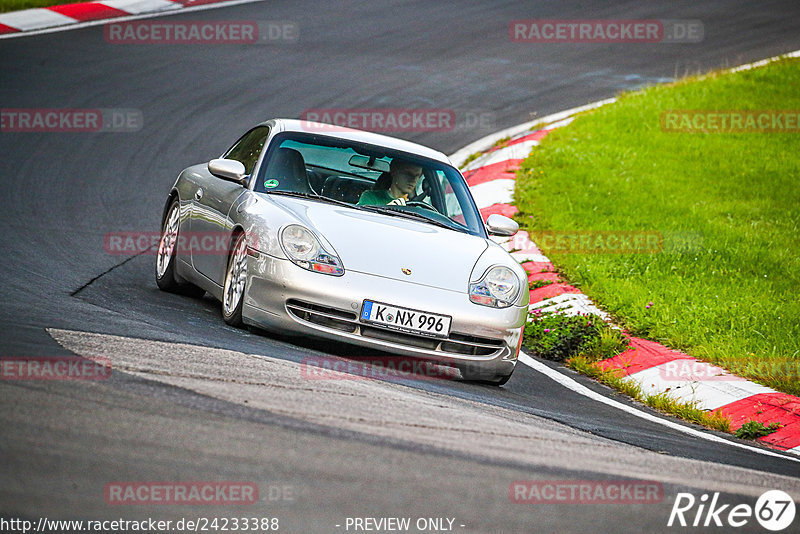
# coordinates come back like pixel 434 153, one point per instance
pixel 167 256
pixel 235 280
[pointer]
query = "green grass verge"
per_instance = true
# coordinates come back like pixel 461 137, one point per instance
pixel 724 288
pixel 16 5
pixel 557 337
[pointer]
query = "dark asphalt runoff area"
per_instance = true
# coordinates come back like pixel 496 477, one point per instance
pixel 174 411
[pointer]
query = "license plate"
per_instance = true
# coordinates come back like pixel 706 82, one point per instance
pixel 405 319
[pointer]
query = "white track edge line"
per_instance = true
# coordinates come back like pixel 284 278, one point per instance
pixel 571 384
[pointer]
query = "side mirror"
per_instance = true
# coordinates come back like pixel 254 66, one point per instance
pixel 228 169
pixel 500 225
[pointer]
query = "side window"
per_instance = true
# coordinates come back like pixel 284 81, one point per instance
pixel 248 147
pixel 452 203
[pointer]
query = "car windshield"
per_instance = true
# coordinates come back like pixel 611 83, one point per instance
pixel 369 177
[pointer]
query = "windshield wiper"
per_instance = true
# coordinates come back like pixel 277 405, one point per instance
pixel 314 196
pixel 408 215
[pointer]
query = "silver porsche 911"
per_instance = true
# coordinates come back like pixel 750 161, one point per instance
pixel 352 236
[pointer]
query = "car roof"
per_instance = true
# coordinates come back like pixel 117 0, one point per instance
pixel 341 132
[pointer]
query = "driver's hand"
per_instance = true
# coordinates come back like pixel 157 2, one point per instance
pixel 397 202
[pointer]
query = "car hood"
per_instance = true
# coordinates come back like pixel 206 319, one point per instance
pixel 385 245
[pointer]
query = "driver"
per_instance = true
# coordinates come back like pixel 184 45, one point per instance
pixel 404 177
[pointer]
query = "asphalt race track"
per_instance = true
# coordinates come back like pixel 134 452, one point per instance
pixel 191 399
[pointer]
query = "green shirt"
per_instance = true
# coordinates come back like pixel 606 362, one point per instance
pixel 371 197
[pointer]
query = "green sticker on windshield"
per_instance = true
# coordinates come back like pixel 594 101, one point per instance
pixel 270 184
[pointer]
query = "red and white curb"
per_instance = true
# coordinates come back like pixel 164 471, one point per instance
pixel 654 367
pixel 69 16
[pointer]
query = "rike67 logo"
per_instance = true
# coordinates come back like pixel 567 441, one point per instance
pixel 774 511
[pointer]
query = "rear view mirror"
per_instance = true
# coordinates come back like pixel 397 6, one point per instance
pixel 499 225
pixel 228 169
pixel 370 163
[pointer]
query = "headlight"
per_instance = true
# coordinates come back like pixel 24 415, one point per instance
pixel 305 250
pixel 498 288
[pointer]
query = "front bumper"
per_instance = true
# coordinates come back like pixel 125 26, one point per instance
pixel 280 296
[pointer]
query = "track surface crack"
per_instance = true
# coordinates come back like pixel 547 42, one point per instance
pixel 96 278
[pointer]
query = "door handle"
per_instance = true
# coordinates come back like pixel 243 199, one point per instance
pixel 198 194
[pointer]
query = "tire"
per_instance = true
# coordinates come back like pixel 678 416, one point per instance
pixel 235 280
pixel 167 256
